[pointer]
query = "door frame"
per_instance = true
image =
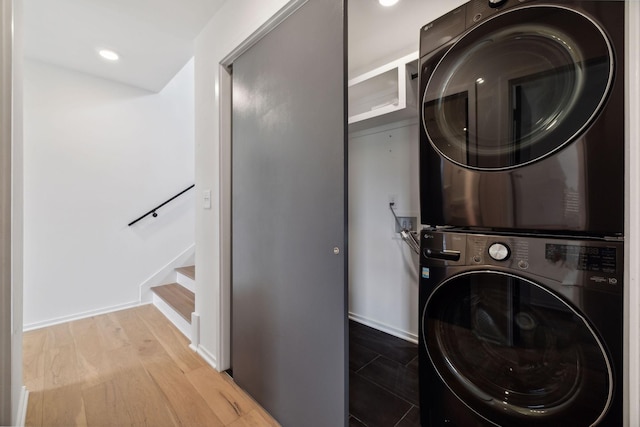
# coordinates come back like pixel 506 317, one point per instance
pixel 632 217
pixel 224 89
pixel 6 294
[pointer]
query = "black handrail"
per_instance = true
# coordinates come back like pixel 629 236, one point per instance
pixel 153 211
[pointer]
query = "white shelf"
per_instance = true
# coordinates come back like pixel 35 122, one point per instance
pixel 384 95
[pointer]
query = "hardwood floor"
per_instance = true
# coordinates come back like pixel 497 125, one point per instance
pixel 128 368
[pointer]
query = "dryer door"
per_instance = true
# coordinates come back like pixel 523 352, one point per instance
pixel 515 353
pixel 517 87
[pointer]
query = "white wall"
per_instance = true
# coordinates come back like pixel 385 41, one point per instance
pixel 231 26
pixel 97 155
pixel 12 402
pixel 383 271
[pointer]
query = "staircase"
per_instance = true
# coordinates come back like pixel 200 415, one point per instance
pixel 177 300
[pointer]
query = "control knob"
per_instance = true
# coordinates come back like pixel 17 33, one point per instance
pixel 499 251
pixel 496 3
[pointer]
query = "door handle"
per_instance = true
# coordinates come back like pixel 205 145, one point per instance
pixel 445 254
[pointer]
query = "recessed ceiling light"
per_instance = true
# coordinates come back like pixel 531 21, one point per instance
pixel 109 54
pixel 388 3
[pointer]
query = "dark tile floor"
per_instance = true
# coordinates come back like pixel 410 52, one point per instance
pixel 383 379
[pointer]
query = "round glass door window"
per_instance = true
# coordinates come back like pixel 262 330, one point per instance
pixel 515 353
pixel 517 88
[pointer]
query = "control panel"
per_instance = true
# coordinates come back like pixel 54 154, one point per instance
pixel 596 263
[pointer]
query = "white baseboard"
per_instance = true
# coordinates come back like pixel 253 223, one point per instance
pixel 21 416
pixel 187 282
pixel 195 331
pixel 167 273
pixel 173 316
pixel 208 357
pixel 407 336
pixel 78 316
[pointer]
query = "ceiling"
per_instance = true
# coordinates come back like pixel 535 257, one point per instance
pixel 154 38
pixel 379 34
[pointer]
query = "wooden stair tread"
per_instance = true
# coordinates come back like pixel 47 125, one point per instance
pixel 177 296
pixel 189 271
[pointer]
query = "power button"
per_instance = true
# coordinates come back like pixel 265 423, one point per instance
pixel 499 251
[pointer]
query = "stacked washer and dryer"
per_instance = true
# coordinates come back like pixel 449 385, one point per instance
pixel 522 188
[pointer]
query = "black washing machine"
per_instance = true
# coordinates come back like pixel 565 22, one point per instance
pixel 520 330
pixel 523 117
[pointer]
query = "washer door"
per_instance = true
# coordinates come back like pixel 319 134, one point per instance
pixel 515 353
pixel 517 87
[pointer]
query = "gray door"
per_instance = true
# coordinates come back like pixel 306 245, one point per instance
pixel 289 322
